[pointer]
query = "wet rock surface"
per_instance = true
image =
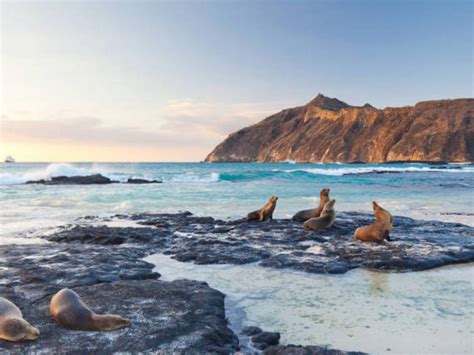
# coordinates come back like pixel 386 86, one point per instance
pixel 263 340
pixel 415 245
pixel 249 331
pixel 143 181
pixel 305 350
pixel 96 179
pixel 74 180
pixel 182 316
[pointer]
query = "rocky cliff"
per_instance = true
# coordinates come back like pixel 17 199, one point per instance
pixel 329 130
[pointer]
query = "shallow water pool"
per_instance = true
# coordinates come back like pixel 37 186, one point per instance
pixel 416 312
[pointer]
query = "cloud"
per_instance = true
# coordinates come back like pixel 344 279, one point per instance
pixel 185 122
pixel 87 130
pixel 215 119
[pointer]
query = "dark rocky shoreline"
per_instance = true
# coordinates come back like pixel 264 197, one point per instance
pixel 104 265
pixel 416 245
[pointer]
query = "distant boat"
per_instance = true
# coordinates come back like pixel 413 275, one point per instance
pixel 9 159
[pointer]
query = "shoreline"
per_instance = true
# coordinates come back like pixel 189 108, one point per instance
pixel 111 262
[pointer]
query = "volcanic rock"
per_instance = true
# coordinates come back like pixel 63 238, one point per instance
pixel 329 130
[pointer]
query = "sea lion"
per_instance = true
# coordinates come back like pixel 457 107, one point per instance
pixel 304 215
pixel 12 325
pixel 325 220
pixel 385 216
pixel 264 213
pixel 379 229
pixel 67 309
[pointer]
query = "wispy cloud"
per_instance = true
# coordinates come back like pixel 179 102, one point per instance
pixel 86 130
pixel 181 121
pixel 217 119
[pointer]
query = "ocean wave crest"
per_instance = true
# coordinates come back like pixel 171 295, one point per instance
pixel 54 170
pixel 193 177
pixel 374 170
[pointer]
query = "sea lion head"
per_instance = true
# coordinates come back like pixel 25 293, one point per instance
pixel 379 212
pixel 329 206
pixel 17 329
pixel 324 193
pixel 112 322
pixel 273 199
pixel 377 208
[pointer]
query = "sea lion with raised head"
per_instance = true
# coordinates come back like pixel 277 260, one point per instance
pixel 12 325
pixel 379 230
pixel 304 215
pixel 264 213
pixel 325 220
pixel 67 309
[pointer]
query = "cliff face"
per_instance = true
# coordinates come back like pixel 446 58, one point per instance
pixel 329 130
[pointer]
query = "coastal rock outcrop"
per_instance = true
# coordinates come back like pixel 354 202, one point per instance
pixel 74 180
pixel 96 179
pixel 329 130
pixel 142 181
pixel 105 266
pixel 182 316
pixel 284 244
pixel 306 350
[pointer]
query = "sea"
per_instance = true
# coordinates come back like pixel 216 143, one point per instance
pixel 415 312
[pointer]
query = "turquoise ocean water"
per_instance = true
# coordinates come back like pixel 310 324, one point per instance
pixel 423 191
pixel 417 312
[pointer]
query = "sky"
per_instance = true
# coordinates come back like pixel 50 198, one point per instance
pixel 168 80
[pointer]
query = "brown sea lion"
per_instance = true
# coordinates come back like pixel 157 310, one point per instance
pixel 67 309
pixel 264 213
pixel 379 229
pixel 304 215
pixel 325 220
pixel 12 325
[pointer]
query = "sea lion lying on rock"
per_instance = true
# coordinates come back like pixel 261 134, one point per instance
pixel 12 325
pixel 67 309
pixel 264 213
pixel 325 220
pixel 377 231
pixel 304 215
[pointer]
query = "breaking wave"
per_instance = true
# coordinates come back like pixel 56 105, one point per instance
pixel 193 177
pixel 376 170
pixel 53 170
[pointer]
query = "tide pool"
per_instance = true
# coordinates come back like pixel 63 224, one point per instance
pixel 417 312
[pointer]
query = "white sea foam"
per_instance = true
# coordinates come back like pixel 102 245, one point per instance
pixel 373 169
pixel 52 170
pixel 192 177
pixel 62 169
